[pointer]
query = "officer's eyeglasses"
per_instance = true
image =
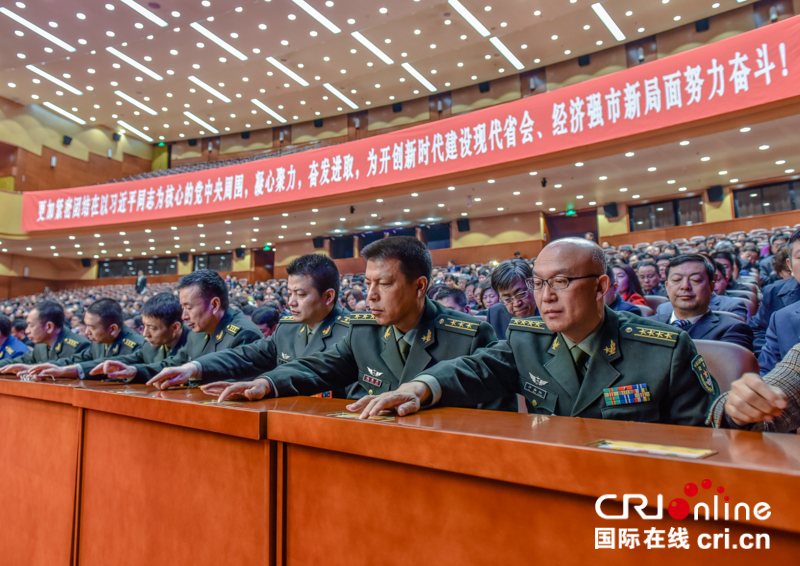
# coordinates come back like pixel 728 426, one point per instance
pixel 556 283
pixel 518 297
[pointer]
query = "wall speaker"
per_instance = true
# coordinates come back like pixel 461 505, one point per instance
pixel 483 87
pixel 319 243
pixel 318 123
pixel 584 60
pixel 52 162
pixel 245 135
pixel 183 256
pixel 701 25
pixel 239 253
pixel 116 137
pixel 67 140
pixel 192 143
pixel 463 224
pixel 611 210
pixel 715 193
pixel 86 262
pixel 397 107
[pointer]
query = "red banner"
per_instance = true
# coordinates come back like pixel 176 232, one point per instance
pixel 747 70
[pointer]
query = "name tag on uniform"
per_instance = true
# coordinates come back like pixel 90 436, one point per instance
pixel 626 394
pixel 372 380
pixel 538 391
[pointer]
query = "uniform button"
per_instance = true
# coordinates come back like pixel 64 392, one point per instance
pixel 534 403
pixel 370 391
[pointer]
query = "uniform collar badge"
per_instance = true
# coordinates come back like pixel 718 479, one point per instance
pixel 537 380
pixel 326 331
pixel 219 336
pixel 611 349
pixel 428 337
pixel 285 356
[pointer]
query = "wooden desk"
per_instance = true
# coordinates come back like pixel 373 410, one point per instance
pixel 455 486
pixel 40 433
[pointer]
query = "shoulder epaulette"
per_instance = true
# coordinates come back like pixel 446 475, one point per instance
pixel 232 329
pixel 343 320
pixel 71 342
pixel 286 319
pixel 10 350
pixel 457 325
pixel 127 341
pixel 529 325
pixel 651 335
pixel 362 318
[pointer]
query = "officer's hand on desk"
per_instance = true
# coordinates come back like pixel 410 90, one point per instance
pixel 751 400
pixel 250 390
pixel 66 372
pixel 114 370
pixel 406 399
pixel 16 369
pixel 37 369
pixel 169 377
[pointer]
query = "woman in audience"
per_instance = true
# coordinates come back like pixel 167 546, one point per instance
pixel 628 284
pixel 352 297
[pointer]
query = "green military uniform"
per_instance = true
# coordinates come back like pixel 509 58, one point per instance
pixel 147 354
pixel 370 355
pixel 67 345
pixel 126 342
pixel 629 351
pixel 233 330
pixel 289 342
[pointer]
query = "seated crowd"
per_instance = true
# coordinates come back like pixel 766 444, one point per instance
pixel 568 331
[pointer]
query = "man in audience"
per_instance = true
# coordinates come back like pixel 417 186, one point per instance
pixel 689 286
pixel 765 265
pixel 778 295
pixel 750 258
pixel 782 334
pixel 316 324
pixel 650 278
pixel 266 317
pixel 214 325
pixel 614 300
pixel 510 280
pixel 452 267
pixel 134 322
pixel 573 360
pixel 718 303
pixel 780 267
pixel 10 347
pixel 405 333
pixel 18 331
pixel 454 299
pixel 662 262
pixel 141 282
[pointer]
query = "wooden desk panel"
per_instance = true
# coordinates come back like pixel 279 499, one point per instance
pixel 39 442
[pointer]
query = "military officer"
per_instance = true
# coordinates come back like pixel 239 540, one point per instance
pixel 404 334
pixel 164 333
pixel 316 324
pixel 52 340
pixel 580 359
pixel 10 347
pixel 214 325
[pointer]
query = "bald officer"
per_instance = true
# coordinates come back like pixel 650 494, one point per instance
pixel 580 359
pixel 403 335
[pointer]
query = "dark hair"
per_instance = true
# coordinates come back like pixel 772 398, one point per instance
pixel 671 247
pixel 610 275
pixel 165 307
pixel 779 259
pixel 258 296
pixel 634 285
pixel 20 324
pixel 50 311
pixel 792 239
pixel 664 258
pixel 696 258
pixel 648 263
pixel 266 314
pixel 247 309
pixel 209 283
pixel 724 254
pixel 108 311
pixel 508 272
pixel 750 248
pixel 355 293
pixel 5 325
pixel 413 256
pixel 459 296
pixel 320 269
pixel 137 321
pixel 433 290
pixel 781 236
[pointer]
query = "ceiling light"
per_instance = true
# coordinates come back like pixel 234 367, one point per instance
pixel 705 158
pixel 136 103
pixel 506 53
pixel 651 169
pixel 199 121
pixel 471 20
pixel 209 89
pixel 269 111
pixel 603 178
pixel 219 41
pixel 745 129
pixel 609 23
pixel 552 209
pixel 629 154
pixel 723 172
pixel 134 63
pixel 789 171
pixel 341 96
pixel 36 29
pixel 623 190
pixel 138 133
pixel 671 182
pixel 579 164
pixel 287 71
pixel 53 79
pixel 64 113
pixel 414 73
pixel 516 193
pixel 371 46
pixel 317 16
pixel 145 12
pixel 763 147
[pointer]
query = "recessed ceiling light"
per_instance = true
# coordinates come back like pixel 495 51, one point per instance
pixel 209 89
pixel 199 121
pixel 608 21
pixel 36 29
pixel 54 80
pixel 603 178
pixel 763 147
pixel 629 154
pixel 136 102
pixel 471 20
pixel 317 16
pixel 651 169
pixel 623 190
pixel 64 113
pixel 145 12
pixel 705 158
pixel 371 46
pixel 219 41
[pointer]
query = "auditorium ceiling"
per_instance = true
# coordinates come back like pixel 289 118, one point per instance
pixel 736 157
pixel 176 69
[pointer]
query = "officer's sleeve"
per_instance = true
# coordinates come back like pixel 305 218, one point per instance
pixel 144 372
pixel 486 375
pixel 770 353
pixel 246 336
pixel 242 362
pixel 79 355
pixel 136 357
pixel 485 336
pixel 688 401
pixel 759 323
pixel 332 369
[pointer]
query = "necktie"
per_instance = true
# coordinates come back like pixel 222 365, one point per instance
pixel 581 360
pixel 682 324
pixel 404 347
